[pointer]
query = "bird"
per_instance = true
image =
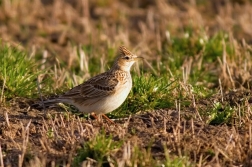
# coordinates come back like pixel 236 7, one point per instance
pixel 104 92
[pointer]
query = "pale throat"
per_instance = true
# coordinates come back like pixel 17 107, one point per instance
pixel 123 66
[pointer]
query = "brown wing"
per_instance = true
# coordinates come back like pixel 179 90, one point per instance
pixel 100 86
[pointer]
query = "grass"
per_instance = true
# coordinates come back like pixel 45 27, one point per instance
pixel 99 149
pixel 220 114
pixel 18 74
pixel 149 92
pixel 191 69
pixel 176 161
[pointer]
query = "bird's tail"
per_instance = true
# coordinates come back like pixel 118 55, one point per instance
pixel 45 103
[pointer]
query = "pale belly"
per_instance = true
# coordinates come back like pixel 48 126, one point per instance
pixel 107 104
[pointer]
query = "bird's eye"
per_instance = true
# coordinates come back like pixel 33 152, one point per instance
pixel 126 57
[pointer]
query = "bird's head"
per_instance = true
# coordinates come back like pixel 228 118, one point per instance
pixel 125 59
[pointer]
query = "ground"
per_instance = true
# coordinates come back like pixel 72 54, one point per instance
pixel 190 104
pixel 54 136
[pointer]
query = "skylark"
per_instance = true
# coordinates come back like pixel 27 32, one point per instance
pixel 105 92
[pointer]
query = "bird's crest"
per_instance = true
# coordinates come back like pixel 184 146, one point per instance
pixel 124 51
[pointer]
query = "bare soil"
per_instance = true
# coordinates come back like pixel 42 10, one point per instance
pixel 30 136
pixel 55 136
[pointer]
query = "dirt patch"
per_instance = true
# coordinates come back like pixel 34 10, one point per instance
pixel 30 136
pixel 55 137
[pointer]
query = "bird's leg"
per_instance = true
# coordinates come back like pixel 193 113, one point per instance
pixel 98 118
pixel 94 115
pixel 109 120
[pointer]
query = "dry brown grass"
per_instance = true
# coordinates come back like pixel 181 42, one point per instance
pixel 53 31
pixel 56 25
pixel 29 138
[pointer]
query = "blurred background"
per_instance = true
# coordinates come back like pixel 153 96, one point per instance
pixel 197 59
pixel 82 36
pixel 58 25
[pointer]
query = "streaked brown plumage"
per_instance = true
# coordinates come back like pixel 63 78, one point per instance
pixel 105 92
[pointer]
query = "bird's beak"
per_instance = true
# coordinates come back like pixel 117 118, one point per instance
pixel 138 57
